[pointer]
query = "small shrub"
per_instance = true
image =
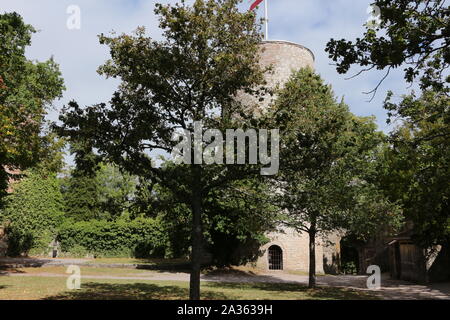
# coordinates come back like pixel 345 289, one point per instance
pixel 349 268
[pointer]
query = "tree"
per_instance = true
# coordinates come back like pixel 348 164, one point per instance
pixel 116 191
pixel 238 218
pixel 81 197
pixel 235 220
pixel 417 172
pixel 106 194
pixel 153 200
pixel 326 164
pixel 26 89
pixel 209 55
pixel 51 154
pixel 414 34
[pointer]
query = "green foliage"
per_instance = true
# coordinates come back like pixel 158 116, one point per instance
pixel 327 164
pixel 116 190
pixel 349 254
pixel 32 213
pixel 208 54
pixel 107 193
pixel 234 222
pixel 418 174
pixel 51 157
pixel 140 238
pixel 415 174
pixel 26 89
pixel 328 161
pixel 349 268
pixel 416 34
pixel 153 200
pixel 81 198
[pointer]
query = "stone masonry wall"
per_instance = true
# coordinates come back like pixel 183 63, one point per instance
pixel 284 57
pixel 295 248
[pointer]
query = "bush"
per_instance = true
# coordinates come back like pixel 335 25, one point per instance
pixel 140 238
pixel 349 268
pixel 19 242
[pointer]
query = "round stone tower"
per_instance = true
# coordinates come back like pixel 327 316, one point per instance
pixel 284 57
pixel 287 248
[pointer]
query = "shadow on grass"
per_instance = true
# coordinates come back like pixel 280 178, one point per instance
pixel 166 267
pixel 4 270
pixel 22 262
pixel 145 291
pixel 210 272
pixel 239 276
pixel 152 264
pixel 133 291
pixel 317 293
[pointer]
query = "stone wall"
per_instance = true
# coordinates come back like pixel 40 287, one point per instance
pixel 295 248
pixel 284 57
pixel 332 253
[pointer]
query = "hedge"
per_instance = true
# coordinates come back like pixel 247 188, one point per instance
pixel 140 238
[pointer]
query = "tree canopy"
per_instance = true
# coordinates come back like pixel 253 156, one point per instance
pixel 27 88
pixel 208 55
pixel 417 165
pixel 414 34
pixel 327 168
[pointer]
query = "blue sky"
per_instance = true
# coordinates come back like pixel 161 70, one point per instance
pixel 308 22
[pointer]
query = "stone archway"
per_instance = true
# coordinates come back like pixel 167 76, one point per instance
pixel 275 256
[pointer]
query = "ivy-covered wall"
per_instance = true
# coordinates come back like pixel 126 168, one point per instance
pixel 32 214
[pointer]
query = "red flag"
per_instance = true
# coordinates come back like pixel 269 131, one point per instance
pixel 255 4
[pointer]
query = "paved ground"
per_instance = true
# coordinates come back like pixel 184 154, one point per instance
pixel 390 289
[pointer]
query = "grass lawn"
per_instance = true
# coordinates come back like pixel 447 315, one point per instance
pixel 165 262
pixel 54 288
pixel 49 282
pixel 85 271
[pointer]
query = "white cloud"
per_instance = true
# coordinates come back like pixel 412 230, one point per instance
pixel 308 22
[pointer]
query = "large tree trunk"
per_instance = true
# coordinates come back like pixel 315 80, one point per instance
pixel 197 235
pixel 312 258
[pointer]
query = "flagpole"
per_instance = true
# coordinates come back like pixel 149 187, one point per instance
pixel 266 19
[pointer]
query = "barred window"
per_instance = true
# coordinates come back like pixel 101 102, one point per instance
pixel 275 258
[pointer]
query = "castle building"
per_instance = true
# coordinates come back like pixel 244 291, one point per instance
pixel 289 249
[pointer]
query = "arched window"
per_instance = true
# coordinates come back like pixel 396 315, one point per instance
pixel 275 258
